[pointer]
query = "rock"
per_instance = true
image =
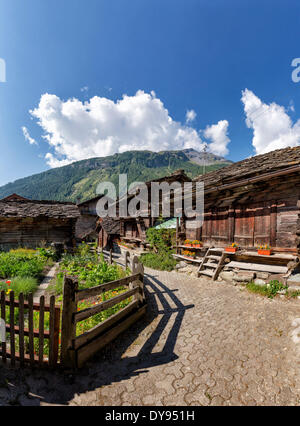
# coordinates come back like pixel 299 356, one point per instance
pixel 293 280
pixel 244 277
pixel 262 275
pixel 227 276
pixel 294 288
pixel 181 264
pixel 259 282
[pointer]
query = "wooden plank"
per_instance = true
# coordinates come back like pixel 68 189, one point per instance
pixel 231 224
pixel 68 326
pixel 30 327
pixel 103 326
pixel 35 306
pixel 41 329
pixel 219 266
pixel 95 291
pixel 89 312
pixel 56 334
pixel 26 357
pixel 180 256
pixel 51 329
pixel 273 224
pixel 87 351
pixel 258 267
pixel 36 333
pixel 3 317
pixel 207 272
pixel 21 328
pixel 12 327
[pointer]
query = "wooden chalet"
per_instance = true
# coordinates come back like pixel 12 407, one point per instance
pixel 133 229
pixel 28 223
pixel 253 202
pixel 87 222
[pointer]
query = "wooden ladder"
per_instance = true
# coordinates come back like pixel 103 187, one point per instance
pixel 212 262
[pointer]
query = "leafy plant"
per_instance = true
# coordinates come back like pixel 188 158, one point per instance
pixel 270 290
pixel 160 261
pixel 21 264
pixel 25 285
pixel 161 239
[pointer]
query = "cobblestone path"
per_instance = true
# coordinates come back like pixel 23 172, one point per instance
pixel 202 343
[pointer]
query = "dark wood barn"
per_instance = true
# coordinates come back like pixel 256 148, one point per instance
pixel 28 223
pixel 133 229
pixel 108 230
pixel 253 202
pixel 87 222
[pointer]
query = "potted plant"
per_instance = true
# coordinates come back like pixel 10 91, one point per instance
pixel 264 250
pixel 232 249
pixel 197 244
pixel 189 254
pixel 188 243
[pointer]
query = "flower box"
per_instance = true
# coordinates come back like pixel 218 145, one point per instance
pixel 265 252
pixel 231 249
pixel 188 245
pixel 197 245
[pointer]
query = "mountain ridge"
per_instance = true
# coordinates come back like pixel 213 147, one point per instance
pixel 79 180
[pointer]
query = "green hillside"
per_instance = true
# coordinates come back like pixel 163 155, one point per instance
pixel 80 179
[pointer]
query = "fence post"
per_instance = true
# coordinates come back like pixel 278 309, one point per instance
pixel 110 257
pixel 138 268
pixel 68 328
pixel 127 255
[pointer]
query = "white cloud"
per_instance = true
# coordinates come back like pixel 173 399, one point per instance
pixel 272 126
pixel 84 89
pixel 218 134
pixel 99 127
pixel 190 115
pixel 27 136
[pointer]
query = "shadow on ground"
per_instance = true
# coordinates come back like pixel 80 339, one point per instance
pixel 115 363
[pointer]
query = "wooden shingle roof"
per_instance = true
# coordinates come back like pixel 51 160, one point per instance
pixel 33 209
pixel 259 165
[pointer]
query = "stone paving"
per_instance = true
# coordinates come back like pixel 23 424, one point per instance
pixel 201 343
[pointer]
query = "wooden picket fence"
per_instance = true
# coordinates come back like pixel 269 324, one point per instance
pixel 21 311
pixel 18 316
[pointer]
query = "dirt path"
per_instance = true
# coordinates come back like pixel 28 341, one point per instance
pixel 202 343
pixel 45 283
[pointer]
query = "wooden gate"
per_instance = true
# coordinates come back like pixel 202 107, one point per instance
pixel 31 330
pixel 76 350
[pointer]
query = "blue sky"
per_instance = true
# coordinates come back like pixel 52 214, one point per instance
pixel 194 54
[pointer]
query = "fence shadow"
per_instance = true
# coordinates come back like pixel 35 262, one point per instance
pixel 110 365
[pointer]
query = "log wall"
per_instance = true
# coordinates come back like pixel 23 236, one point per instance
pixel 253 215
pixel 30 232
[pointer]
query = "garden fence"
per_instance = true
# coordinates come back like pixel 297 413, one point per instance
pixel 24 343
pixel 76 350
pixel 32 330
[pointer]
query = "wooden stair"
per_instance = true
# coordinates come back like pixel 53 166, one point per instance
pixel 212 263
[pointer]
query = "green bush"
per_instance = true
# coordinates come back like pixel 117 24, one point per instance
pixel 159 261
pixel 89 270
pixel 21 264
pixel 161 239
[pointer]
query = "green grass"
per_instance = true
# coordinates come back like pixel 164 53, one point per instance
pixel 25 285
pixel 159 261
pixel 270 290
